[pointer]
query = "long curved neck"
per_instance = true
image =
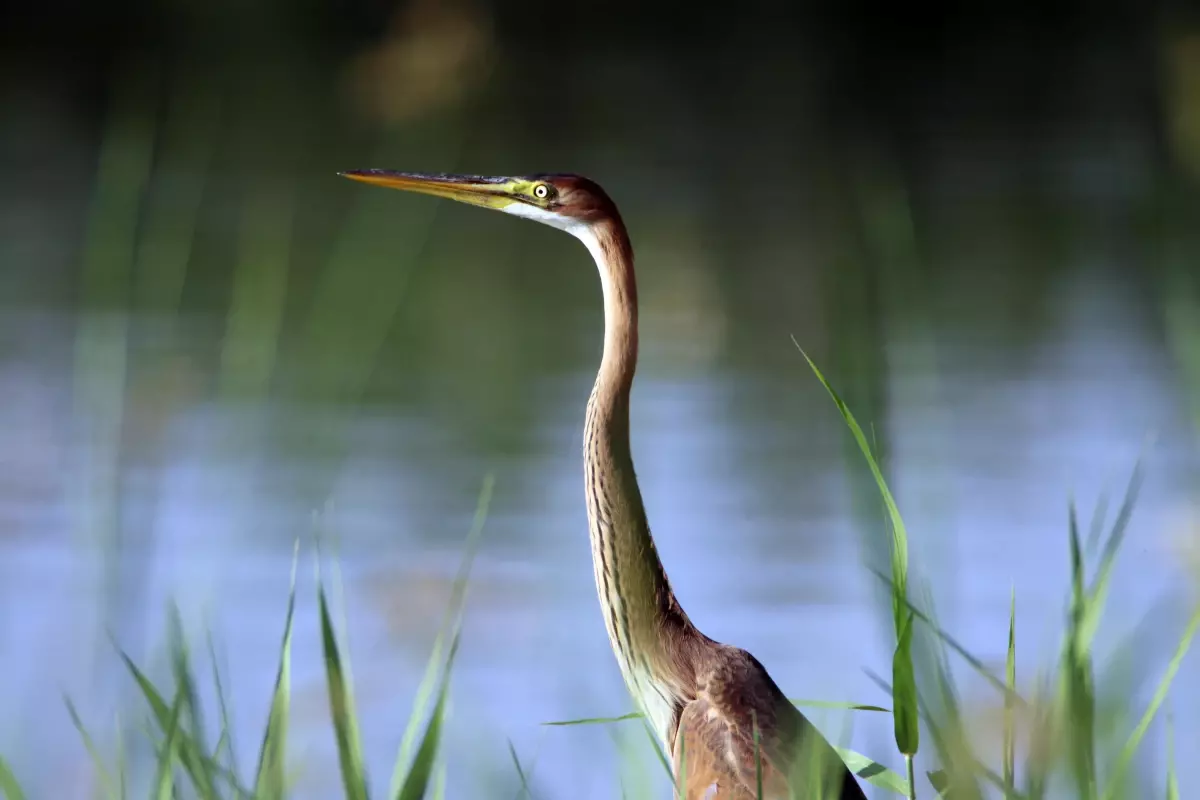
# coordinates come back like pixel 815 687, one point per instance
pixel 646 626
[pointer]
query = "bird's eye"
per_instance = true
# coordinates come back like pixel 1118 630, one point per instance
pixel 541 191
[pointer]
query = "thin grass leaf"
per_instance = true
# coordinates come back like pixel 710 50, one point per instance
pixel 873 772
pixel 658 751
pixel 341 709
pixel 9 785
pixel 800 703
pixel 1010 682
pixel 222 742
pixel 905 712
pixel 165 772
pixel 1098 591
pixel 1075 678
pixel 439 783
pixel 106 783
pixel 189 755
pixel 597 720
pixel 190 704
pixel 1096 529
pixel 122 772
pixel 458 597
pixel 217 770
pixel 1041 742
pixel 899 532
pixel 1172 780
pixel 904 690
pixel 1160 694
pixel 225 737
pixel 269 777
pixel 524 790
pixel 629 755
pixel 417 782
pixel 531 769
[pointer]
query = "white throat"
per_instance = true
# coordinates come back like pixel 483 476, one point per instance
pixel 563 223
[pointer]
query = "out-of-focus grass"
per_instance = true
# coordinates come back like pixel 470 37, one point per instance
pixel 1181 300
pixel 186 764
pixel 101 342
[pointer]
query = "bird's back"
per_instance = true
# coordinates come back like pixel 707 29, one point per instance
pixel 715 750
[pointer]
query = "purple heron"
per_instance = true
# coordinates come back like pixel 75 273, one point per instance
pixel 703 699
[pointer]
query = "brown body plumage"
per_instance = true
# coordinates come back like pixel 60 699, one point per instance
pixel 703 699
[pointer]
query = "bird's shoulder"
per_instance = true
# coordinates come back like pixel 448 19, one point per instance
pixel 735 696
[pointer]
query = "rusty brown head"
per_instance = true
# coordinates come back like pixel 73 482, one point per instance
pixel 562 200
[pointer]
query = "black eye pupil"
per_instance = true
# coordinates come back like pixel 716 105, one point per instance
pixel 542 191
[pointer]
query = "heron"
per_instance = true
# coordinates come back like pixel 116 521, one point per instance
pixel 728 727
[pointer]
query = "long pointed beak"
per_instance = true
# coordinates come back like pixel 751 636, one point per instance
pixel 476 190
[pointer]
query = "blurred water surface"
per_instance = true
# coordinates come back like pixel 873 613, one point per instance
pixel 213 347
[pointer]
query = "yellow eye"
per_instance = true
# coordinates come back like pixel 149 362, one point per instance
pixel 541 191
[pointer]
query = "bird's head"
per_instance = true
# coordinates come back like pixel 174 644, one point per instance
pixel 569 202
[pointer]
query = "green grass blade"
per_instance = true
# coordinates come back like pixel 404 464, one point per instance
pixel 258 293
pixel 1096 529
pixel 524 790
pixel 187 753
pixel 801 703
pixel 904 690
pixel 658 751
pixel 458 596
pixel 102 775
pixel 899 532
pixel 189 701
pixel 341 708
pixel 939 781
pixel 439 783
pixel 269 777
pixel 1041 742
pixel 873 772
pixel 1172 780
pixel 905 713
pixel 165 772
pixel 122 770
pixel 9 786
pixel 1135 739
pixel 225 738
pixel 629 756
pixel 1010 681
pixel 597 720
pixel 1076 674
pixel 1098 591
pixel 417 782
